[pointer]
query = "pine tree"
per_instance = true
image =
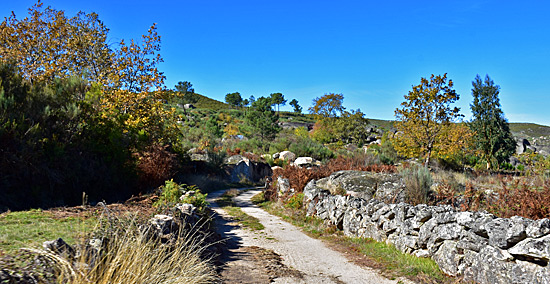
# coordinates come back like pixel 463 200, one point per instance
pixel 492 133
pixel 262 120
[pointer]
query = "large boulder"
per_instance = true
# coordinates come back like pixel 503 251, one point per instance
pixel 365 185
pixel 505 233
pixel 163 225
pixel 198 155
pixel 287 156
pixel 60 247
pixel 304 162
pixel 536 250
pixel 252 171
pixel 283 186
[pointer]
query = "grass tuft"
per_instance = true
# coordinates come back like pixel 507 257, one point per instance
pixel 130 254
pixel 226 203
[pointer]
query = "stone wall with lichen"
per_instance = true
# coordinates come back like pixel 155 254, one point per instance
pixel 474 245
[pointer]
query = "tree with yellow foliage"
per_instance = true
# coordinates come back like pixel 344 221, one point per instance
pixel 423 121
pixel 127 84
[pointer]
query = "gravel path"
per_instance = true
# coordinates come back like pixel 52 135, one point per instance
pixel 310 258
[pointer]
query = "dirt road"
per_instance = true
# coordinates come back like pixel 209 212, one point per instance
pixel 281 253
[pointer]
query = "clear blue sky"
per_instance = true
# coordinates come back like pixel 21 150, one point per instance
pixel 370 51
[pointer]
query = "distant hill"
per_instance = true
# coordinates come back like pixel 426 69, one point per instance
pixel 536 134
pixel 206 102
pixel 529 129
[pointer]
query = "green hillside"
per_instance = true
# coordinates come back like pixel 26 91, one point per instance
pixel 529 129
pixel 206 102
pixel 523 130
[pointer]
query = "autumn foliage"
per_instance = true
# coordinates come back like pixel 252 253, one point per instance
pixel 79 113
pixel 526 197
pixel 426 114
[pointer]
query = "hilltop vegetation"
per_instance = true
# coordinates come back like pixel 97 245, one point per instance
pixel 84 119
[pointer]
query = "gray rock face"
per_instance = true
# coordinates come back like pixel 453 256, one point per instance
pixel 163 224
pixel 283 186
pixel 537 250
pixel 287 156
pixel 236 159
pixel 538 228
pixel 448 258
pixel 365 185
pixel 475 245
pixel 504 233
pixel 304 162
pixel 198 155
pixel 245 169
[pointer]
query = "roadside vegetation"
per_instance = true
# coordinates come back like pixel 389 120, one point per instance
pixel 81 123
pixel 383 257
pixel 226 203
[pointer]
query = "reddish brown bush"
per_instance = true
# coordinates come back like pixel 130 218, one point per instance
pixel 469 200
pixel 526 197
pixel 236 151
pixel 155 165
pixel 299 177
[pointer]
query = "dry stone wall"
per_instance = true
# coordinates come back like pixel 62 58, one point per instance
pixel 475 245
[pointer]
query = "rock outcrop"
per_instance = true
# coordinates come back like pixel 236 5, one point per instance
pixel 475 245
pixel 367 185
pixel 239 168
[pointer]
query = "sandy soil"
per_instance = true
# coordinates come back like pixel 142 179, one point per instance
pixel 281 253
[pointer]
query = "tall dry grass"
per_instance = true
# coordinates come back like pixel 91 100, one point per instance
pixel 134 255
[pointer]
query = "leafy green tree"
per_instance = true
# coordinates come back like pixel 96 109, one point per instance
pixel 492 136
pixel 234 99
pixel 296 106
pixel 423 117
pixel 47 45
pixel 213 126
pixel 187 92
pixel 261 120
pixel 251 100
pixel 352 127
pixel 277 99
pixel 329 105
pixel 184 87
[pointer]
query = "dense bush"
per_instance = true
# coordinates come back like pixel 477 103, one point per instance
pixel 172 193
pixel 55 145
pixel 418 181
pixel 526 197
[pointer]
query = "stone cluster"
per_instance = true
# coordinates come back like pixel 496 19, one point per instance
pixel 475 245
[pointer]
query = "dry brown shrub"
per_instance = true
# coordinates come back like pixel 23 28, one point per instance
pixel 470 199
pixel 299 177
pixel 527 197
pixel 155 165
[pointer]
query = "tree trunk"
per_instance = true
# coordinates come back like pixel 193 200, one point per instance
pixel 428 157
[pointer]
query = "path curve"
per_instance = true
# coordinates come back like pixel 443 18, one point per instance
pixel 316 262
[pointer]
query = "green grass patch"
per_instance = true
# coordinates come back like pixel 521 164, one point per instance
pixel 390 261
pixel 243 218
pixel 258 198
pixel 226 203
pixel 31 228
pixel 395 261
